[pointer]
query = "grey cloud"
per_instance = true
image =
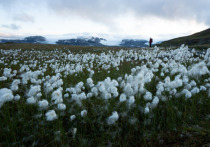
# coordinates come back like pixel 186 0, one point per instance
pixel 96 10
pixel 11 26
pixel 24 17
pixel 107 10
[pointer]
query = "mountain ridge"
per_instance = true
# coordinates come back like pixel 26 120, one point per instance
pixel 80 41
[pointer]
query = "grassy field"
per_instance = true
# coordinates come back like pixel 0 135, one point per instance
pixel 25 46
pixel 54 95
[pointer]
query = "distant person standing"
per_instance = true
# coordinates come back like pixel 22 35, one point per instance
pixel 150 42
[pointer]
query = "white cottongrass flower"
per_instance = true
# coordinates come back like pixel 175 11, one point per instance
pixel 17 97
pixel 94 90
pixel 14 86
pixel 6 95
pixel 39 95
pixel 89 95
pixel 78 87
pixel 90 82
pixel 133 70
pixel 193 83
pixel 57 96
pixel 146 110
pixel 34 90
pixel 75 97
pixel 131 100
pixel 106 95
pixel 61 106
pixel 113 90
pixel 119 79
pixel 31 100
pixel 71 90
pixel 122 97
pixel 202 88
pixel 187 93
pixel 102 88
pixel 43 103
pixel 3 78
pixel 128 89
pixel 161 74
pixel 72 117
pixel 51 115
pixel 148 96
pixel 59 83
pixel 198 69
pixel 66 95
pixel 7 72
pixel 188 86
pixel 83 113
pixel 155 102
pixel 195 90
pixel 113 118
pixel 82 96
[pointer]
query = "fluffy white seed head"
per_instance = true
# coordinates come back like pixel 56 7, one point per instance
pixel 146 110
pixel 128 90
pixel 155 102
pixel 148 96
pixel 187 93
pixel 122 97
pixel 113 118
pixel 198 70
pixel 39 95
pixel 43 104
pixel 14 86
pixel 6 95
pixel 17 97
pixel 202 88
pixel 195 90
pixel 51 115
pixel 83 113
pixel 131 100
pixel 89 95
pixel 31 100
pixel 57 96
pixel 34 90
pixel 90 82
pixel 72 117
pixel 3 78
pixel 61 106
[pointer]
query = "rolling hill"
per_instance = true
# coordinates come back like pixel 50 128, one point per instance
pixel 201 39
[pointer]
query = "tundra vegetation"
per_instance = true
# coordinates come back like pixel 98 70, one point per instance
pixel 104 97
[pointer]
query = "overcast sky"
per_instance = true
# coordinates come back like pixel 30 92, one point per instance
pixel 111 19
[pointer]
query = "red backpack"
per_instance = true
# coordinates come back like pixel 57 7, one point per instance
pixel 150 40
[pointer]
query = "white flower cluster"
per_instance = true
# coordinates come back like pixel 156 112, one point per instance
pixel 106 89
pixel 15 83
pixel 173 73
pixel 198 70
pixel 52 83
pixel 34 94
pixel 6 95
